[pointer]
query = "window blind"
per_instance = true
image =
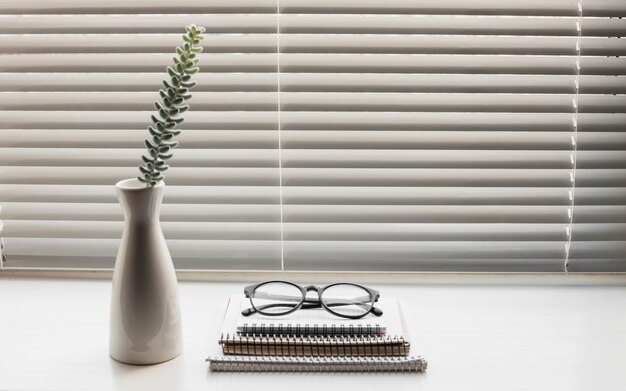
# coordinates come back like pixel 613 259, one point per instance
pixel 330 135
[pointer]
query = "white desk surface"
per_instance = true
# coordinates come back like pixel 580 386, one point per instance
pixel 496 336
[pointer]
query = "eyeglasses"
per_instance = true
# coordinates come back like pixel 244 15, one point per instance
pixel 276 298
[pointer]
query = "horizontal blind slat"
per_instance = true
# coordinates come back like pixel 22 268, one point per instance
pixel 132 43
pixel 424 214
pixel 170 212
pixel 100 253
pixel 192 194
pixel 132 62
pixel 294 158
pixel 208 176
pixel 133 6
pixel 38 119
pixel 135 24
pixel 311 120
pixel 466 195
pixel 113 230
pixel 135 81
pixel 481 7
pixel 414 232
pixel 186 158
pixel 320 101
pixel 370 23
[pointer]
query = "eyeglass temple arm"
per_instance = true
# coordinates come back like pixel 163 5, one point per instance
pixel 290 298
pixel 310 303
pixel 249 311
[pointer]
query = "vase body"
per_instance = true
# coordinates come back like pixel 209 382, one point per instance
pixel 145 318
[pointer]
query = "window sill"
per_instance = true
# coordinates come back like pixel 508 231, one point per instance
pixel 475 335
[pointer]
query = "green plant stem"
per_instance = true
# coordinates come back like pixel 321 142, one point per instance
pixel 170 108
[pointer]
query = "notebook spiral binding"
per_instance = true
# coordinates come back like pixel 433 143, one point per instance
pixel 315 346
pixel 306 329
pixel 317 364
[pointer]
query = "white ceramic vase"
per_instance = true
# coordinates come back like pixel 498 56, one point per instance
pixel 145 323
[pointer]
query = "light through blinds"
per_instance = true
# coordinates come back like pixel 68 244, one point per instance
pixel 324 135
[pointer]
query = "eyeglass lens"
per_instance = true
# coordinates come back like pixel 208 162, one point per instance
pixel 347 300
pixel 276 298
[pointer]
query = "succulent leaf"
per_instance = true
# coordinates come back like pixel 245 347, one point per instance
pixel 153 131
pixel 158 106
pixel 150 145
pixel 190 84
pixel 156 121
pixel 171 71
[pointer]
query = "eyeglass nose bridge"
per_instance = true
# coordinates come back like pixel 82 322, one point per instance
pixel 310 288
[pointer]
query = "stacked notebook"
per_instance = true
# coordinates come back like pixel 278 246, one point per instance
pixel 313 341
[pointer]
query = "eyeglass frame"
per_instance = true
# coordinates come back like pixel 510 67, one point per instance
pixel 373 293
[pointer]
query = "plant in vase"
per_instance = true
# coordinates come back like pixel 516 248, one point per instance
pixel 145 324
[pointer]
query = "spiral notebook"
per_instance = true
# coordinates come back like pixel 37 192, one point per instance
pixel 316 364
pixel 237 352
pixel 314 346
pixel 314 332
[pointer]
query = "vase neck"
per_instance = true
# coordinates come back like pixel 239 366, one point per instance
pixel 140 203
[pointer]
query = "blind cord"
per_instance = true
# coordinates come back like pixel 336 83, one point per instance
pixel 573 155
pixel 280 141
pixel 3 256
